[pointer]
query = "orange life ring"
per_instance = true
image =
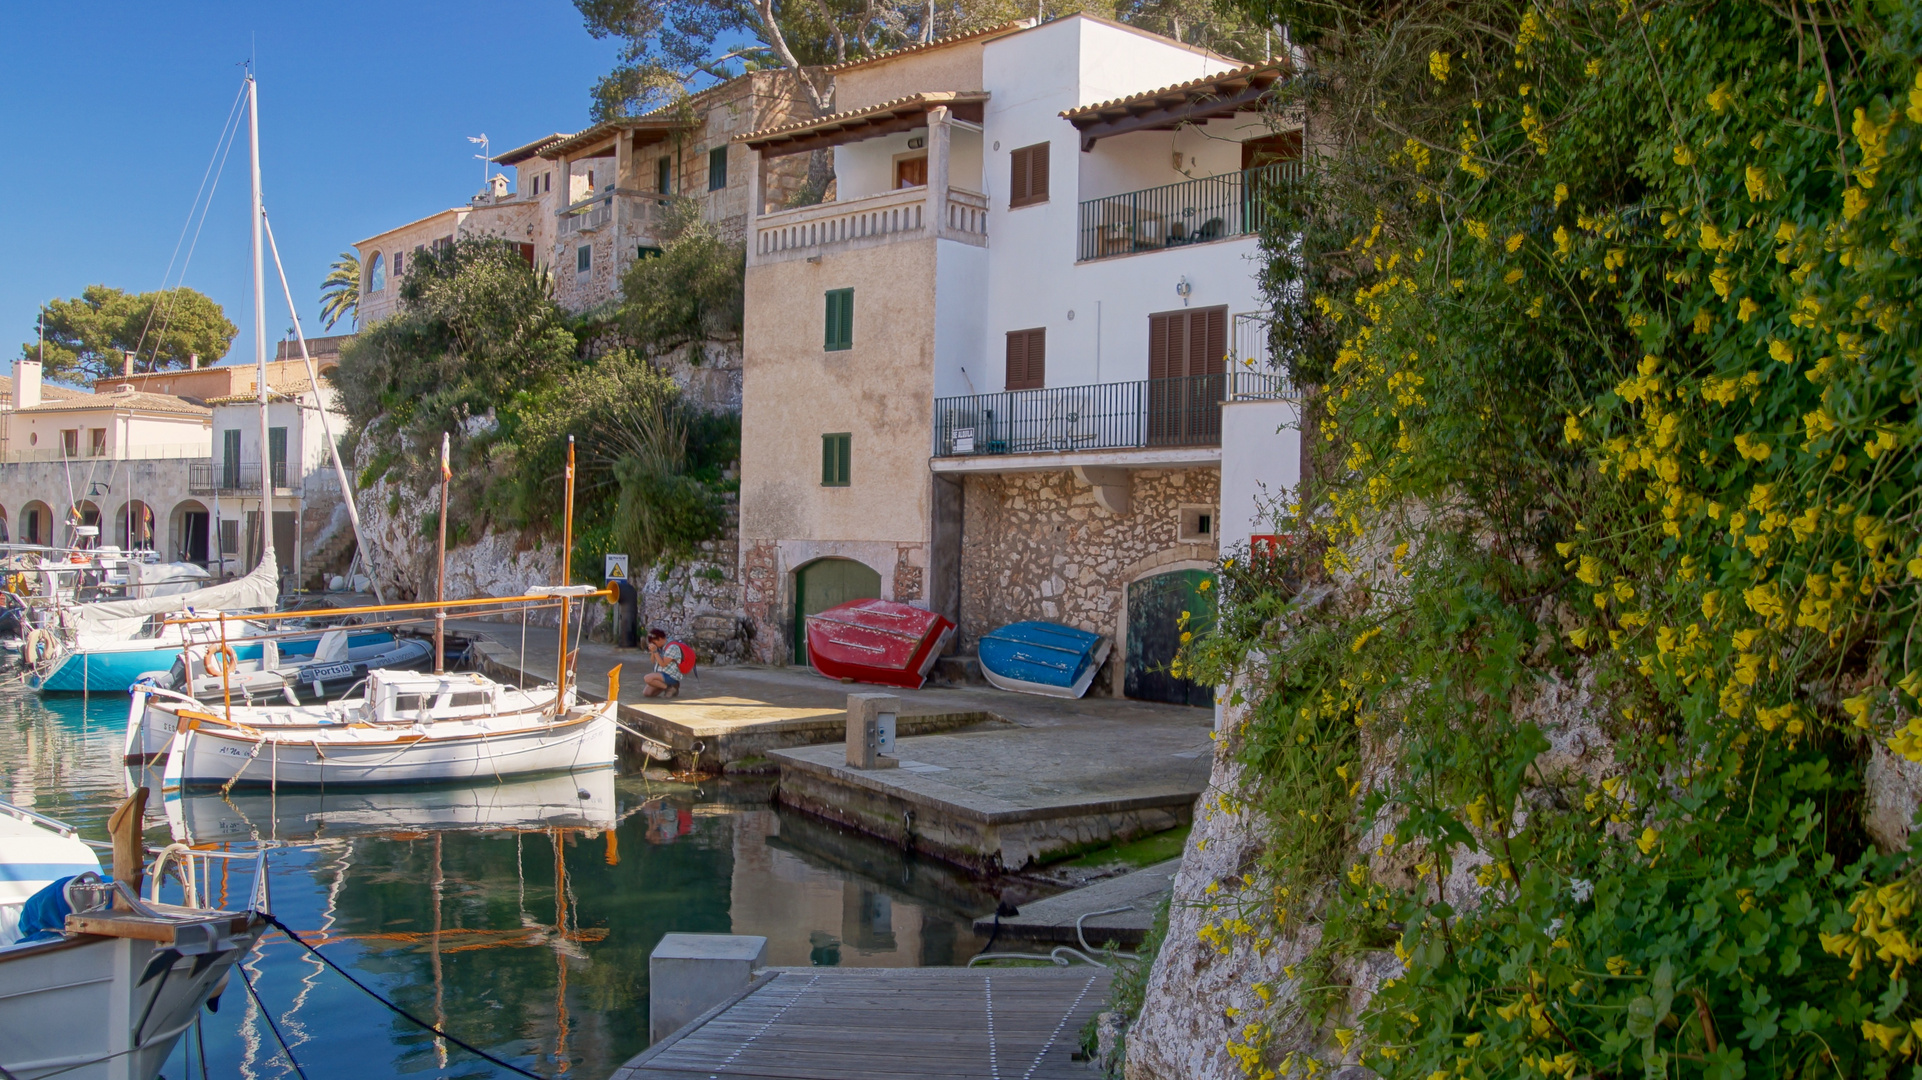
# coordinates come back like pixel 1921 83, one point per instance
pixel 227 660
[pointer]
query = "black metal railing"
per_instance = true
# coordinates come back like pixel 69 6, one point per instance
pixel 1190 212
pixel 1103 416
pixel 232 477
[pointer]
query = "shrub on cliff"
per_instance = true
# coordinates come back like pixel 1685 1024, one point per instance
pixel 1620 381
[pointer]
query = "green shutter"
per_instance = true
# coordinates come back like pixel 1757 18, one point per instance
pixel 836 455
pixel 839 333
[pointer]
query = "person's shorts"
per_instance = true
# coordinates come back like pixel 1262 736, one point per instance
pixel 673 677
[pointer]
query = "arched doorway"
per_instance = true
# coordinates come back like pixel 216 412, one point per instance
pixel 824 583
pixel 191 528
pixel 1155 626
pixel 36 523
pixel 136 526
pixel 6 534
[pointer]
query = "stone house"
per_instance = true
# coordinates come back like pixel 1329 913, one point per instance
pixel 1029 336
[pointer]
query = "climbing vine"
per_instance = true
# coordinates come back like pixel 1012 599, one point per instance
pixel 1618 409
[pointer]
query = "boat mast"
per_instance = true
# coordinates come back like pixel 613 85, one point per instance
pixel 440 595
pixel 260 325
pixel 567 568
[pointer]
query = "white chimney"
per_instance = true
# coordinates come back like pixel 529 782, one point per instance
pixel 193 361
pixel 26 383
pixel 126 365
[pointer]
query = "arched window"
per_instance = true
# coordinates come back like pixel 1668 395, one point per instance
pixel 377 274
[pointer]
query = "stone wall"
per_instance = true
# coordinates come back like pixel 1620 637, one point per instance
pixel 1036 545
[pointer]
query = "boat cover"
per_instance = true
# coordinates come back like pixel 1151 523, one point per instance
pixel 122 619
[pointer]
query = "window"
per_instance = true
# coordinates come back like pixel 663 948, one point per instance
pixel 583 258
pixel 836 450
pixel 398 257
pixel 1027 359
pixel 840 320
pixel 590 181
pixel 1197 525
pixel 230 537
pixel 717 168
pixel 230 458
pixel 97 442
pixel 664 175
pixel 376 274
pixel 70 442
pixel 471 699
pixel 277 454
pixel 1028 176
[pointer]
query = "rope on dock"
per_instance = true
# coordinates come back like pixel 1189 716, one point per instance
pixel 369 991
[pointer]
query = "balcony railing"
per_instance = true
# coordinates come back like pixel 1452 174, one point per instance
pixel 232 478
pixel 638 210
pixel 1191 212
pixel 1105 416
pixel 903 214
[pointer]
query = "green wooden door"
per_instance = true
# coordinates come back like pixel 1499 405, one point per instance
pixel 1154 635
pixel 820 585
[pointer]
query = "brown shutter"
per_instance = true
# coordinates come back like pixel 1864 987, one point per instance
pixel 1212 342
pixel 1160 329
pixel 1028 176
pixel 1027 359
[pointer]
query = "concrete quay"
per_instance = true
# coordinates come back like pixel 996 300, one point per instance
pixel 990 780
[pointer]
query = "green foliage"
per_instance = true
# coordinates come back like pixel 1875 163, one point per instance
pixel 1613 307
pixel 340 290
pixel 691 292
pixel 90 336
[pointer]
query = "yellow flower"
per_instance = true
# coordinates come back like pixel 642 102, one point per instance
pixel 1757 181
pixel 1746 309
pixel 1719 98
pixel 1438 66
pixel 1204 586
pixel 1514 243
pixel 1572 431
pixel 1648 840
pixel 1473 1040
pixel 1561 194
pixel 1853 203
pixel 1594 68
pixel 1722 278
pixel 1751 447
pixel 1711 237
pixel 1780 350
pixel 1564 243
pixel 1683 155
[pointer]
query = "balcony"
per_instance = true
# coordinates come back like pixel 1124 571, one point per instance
pixel 1182 412
pixel 906 214
pixel 637 212
pixel 1191 212
pixel 233 478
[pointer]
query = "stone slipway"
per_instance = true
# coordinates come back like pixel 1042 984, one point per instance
pixel 1052 920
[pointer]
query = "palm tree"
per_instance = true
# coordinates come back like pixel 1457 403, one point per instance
pixel 340 291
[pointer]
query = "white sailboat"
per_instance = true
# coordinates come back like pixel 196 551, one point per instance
pixel 106 990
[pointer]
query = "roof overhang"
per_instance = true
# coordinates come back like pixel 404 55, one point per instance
pixel 1170 107
pixel 533 149
pixel 985 34
pixel 901 114
pixel 645 131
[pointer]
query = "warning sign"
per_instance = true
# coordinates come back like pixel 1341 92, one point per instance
pixel 616 567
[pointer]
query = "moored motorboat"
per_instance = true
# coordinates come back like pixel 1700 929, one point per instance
pixel 876 641
pixel 96 982
pixel 1043 658
pixel 337 660
pixel 404 728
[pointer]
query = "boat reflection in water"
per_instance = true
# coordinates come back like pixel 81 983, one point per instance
pixel 578 800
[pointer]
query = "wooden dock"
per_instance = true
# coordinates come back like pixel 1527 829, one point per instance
pixel 852 1024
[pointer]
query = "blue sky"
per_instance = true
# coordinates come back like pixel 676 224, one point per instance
pixel 112 111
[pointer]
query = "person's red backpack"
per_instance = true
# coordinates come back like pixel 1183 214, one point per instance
pixel 687 655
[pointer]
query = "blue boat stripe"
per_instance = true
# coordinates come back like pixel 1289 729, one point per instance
pixel 48 871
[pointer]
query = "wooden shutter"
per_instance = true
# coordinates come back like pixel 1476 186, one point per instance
pixel 527 253
pixel 836 453
pixel 1027 359
pixel 838 333
pixel 1209 333
pixel 1028 176
pixel 1163 344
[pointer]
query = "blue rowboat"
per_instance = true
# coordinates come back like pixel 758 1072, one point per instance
pixel 1043 658
pixel 111 668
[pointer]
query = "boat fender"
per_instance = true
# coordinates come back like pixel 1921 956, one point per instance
pixel 40 646
pixel 227 660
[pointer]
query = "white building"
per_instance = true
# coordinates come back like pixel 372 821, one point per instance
pixel 1024 332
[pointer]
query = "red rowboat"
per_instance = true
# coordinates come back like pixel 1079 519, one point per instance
pixel 876 641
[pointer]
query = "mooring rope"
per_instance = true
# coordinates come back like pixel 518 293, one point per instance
pixel 271 1026
pixel 369 991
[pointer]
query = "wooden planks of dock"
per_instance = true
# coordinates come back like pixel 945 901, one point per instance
pixel 843 1024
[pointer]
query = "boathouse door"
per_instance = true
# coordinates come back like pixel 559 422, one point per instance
pixel 824 583
pixel 1155 627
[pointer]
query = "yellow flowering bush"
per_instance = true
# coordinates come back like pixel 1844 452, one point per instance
pixel 1623 365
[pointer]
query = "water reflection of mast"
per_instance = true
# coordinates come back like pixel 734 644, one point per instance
pixel 440 1009
pixel 560 952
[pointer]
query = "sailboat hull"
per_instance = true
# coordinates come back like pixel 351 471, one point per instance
pixel 207 753
pixel 115 669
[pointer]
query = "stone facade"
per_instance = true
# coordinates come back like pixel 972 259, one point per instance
pixel 1035 545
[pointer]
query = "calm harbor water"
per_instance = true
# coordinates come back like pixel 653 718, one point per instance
pixel 519 916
